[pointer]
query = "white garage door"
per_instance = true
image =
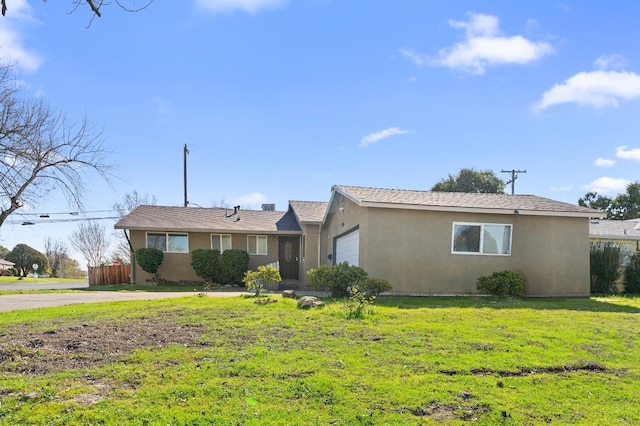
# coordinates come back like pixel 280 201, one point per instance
pixel 348 248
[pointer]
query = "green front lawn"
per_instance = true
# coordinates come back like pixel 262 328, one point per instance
pixel 229 361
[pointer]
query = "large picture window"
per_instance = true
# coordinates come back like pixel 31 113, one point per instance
pixel 257 244
pixel 481 238
pixel 168 242
pixel 220 242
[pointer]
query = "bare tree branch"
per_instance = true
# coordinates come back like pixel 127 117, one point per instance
pixel 91 240
pixel 41 150
pixel 94 5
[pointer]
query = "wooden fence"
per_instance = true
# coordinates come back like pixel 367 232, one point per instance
pixel 109 275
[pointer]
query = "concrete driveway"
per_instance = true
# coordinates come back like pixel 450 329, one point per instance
pixel 11 302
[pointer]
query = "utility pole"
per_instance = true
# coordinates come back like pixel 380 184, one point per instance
pixel 514 176
pixel 186 151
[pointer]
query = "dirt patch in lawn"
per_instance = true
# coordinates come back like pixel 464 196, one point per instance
pixel 60 347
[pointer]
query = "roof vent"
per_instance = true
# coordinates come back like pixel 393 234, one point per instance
pixel 268 207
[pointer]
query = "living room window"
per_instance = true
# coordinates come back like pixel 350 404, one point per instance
pixel 257 244
pixel 220 242
pixel 481 238
pixel 168 242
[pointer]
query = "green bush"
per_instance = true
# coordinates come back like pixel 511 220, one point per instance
pixel 605 267
pixel 503 283
pixel 374 286
pixel 632 273
pixel 336 279
pixel 150 260
pixel 206 265
pixel 234 264
pixel 265 275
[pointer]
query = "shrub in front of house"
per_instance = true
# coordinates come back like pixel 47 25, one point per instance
pixel 372 286
pixel 206 265
pixel 336 279
pixel 150 260
pixel 503 283
pixel 604 267
pixel 265 275
pixel 632 273
pixel 234 264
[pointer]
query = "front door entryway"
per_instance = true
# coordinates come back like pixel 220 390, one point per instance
pixel 288 257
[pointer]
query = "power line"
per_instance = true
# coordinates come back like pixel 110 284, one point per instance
pixel 514 176
pixel 75 219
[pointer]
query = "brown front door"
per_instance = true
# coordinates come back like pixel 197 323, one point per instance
pixel 288 253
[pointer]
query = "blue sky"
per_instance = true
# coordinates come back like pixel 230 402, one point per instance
pixel 279 100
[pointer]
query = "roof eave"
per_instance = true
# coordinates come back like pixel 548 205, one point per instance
pixel 457 209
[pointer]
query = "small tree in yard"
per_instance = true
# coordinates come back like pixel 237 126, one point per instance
pixel 632 273
pixel 205 263
pixel 605 267
pixel 150 260
pixel 265 275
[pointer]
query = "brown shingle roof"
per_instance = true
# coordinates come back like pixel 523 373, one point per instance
pixel 191 219
pixel 461 201
pixel 309 211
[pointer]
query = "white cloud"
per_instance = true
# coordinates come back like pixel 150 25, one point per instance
pixel 609 62
pixel 249 6
pixel 604 162
pixel 383 134
pixel 248 201
pixel 628 154
pixel 485 46
pixel 595 88
pixel 12 51
pixel 413 56
pixel 605 185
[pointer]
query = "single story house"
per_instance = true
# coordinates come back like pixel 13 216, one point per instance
pixel 4 265
pixel 423 242
pixel 289 239
pixel 427 242
pixel 625 233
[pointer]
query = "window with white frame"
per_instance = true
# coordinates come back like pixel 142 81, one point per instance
pixel 481 238
pixel 168 242
pixel 220 242
pixel 257 244
pixel 303 249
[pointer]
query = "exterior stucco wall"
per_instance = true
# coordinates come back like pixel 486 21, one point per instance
pixel 311 251
pixel 337 223
pixel 412 249
pixel 177 266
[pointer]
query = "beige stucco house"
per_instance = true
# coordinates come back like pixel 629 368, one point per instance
pixel 423 242
pixel 427 242
pixel 269 236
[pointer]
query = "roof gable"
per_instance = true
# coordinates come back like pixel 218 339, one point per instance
pixel 309 212
pixel 192 219
pixel 461 202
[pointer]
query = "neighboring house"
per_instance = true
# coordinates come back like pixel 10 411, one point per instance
pixel 423 242
pixel 4 265
pixel 625 233
pixel 268 236
pixel 427 242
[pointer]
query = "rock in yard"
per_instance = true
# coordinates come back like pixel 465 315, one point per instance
pixel 289 293
pixel 306 302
